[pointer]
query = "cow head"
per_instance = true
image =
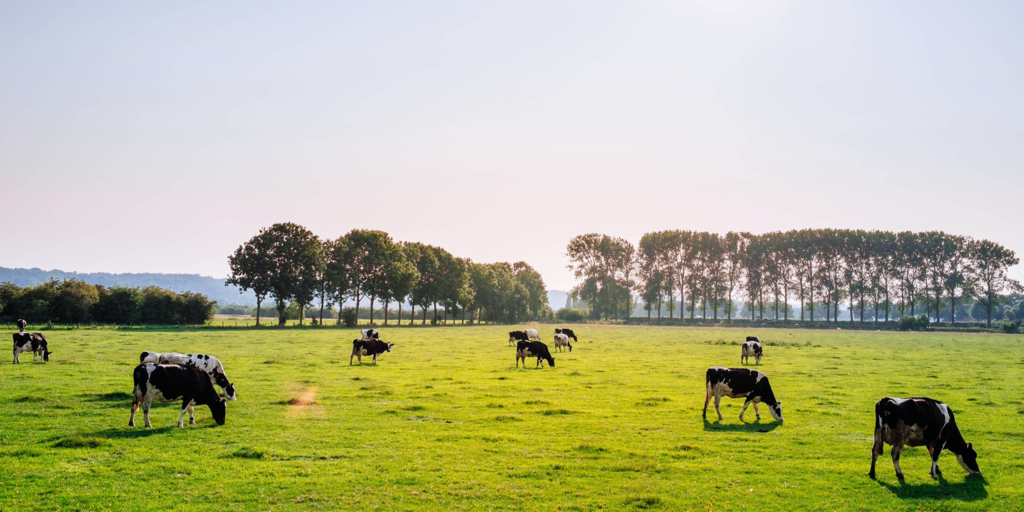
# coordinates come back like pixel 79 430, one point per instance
pixel 512 336
pixel 551 361
pixel 776 410
pixel 21 325
pixel 219 411
pixel 222 381
pixel 389 345
pixel 969 460
pixel 46 354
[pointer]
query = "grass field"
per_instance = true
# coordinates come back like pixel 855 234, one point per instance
pixel 446 421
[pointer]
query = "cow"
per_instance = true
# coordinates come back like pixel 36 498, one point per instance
pixel 517 336
pixel 22 324
pixel 751 347
pixel 536 349
pixel 532 334
pixel 209 364
pixel 920 421
pixel 30 341
pixel 567 332
pixel 373 348
pixel 562 340
pixel 170 383
pixel 370 334
pixel 737 383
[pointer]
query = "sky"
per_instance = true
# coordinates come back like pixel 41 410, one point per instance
pixel 159 136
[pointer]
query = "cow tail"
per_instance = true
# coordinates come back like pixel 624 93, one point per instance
pixel 139 377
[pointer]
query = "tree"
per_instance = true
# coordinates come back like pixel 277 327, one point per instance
pixel 338 282
pixel 424 290
pixel 989 264
pixel 252 268
pixel 400 275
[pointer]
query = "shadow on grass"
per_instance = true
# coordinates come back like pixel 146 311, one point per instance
pixel 756 426
pixel 971 489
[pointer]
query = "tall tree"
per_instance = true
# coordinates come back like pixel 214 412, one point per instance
pixel 989 265
pixel 251 269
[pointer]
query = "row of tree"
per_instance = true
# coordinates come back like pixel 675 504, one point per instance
pixel 289 264
pixel 889 273
pixel 73 301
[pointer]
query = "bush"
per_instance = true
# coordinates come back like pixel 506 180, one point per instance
pixel 349 317
pixel 1010 327
pixel 569 315
pixel 908 323
pixel 923 322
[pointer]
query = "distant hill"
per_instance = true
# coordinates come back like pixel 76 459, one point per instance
pixel 210 286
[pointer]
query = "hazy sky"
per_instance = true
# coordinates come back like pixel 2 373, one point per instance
pixel 158 136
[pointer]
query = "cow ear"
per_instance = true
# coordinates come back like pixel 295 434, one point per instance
pixel 970 445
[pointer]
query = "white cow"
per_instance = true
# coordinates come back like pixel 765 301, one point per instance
pixel 532 333
pixel 209 364
pixel 562 340
pixel 370 334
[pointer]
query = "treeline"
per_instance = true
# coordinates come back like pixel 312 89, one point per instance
pixel 72 301
pixel 891 274
pixel 290 265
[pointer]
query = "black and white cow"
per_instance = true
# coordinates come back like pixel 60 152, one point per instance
pixel 22 324
pixel 740 383
pixel 373 348
pixel 370 334
pixel 920 422
pixel 170 383
pixel 567 332
pixel 562 340
pixel 30 342
pixel 751 348
pixel 209 364
pixel 532 334
pixel 536 349
pixel 517 336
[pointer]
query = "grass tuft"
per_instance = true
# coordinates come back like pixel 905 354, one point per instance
pixel 645 502
pixel 589 448
pixel 506 418
pixel 80 442
pixel 557 412
pixel 28 399
pixel 248 453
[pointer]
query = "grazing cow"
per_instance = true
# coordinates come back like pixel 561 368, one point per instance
pixel 562 340
pixel 170 383
pixel 567 332
pixel 536 349
pixel 517 336
pixel 738 383
pixel 920 422
pixel 209 364
pixel 373 348
pixel 370 334
pixel 751 348
pixel 22 324
pixel 532 334
pixel 30 341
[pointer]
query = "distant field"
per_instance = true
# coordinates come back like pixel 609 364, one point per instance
pixel 446 421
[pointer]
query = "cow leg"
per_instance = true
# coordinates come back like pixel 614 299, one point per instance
pixel 181 415
pixel 876 450
pixel 16 359
pixel 375 359
pixel 718 409
pixel 145 414
pixel 757 412
pixel 758 360
pixel 135 407
pixel 192 412
pixel 707 398
pixel 896 450
pixel 935 451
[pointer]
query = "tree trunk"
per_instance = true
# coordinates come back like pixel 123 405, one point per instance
pixel 988 308
pixel 399 312
pixel 435 313
pixel 387 306
pixel 373 299
pixel 321 308
pixel 280 312
pixel 424 322
pixel 259 302
pixel 412 313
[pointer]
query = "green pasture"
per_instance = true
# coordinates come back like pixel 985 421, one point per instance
pixel 446 421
